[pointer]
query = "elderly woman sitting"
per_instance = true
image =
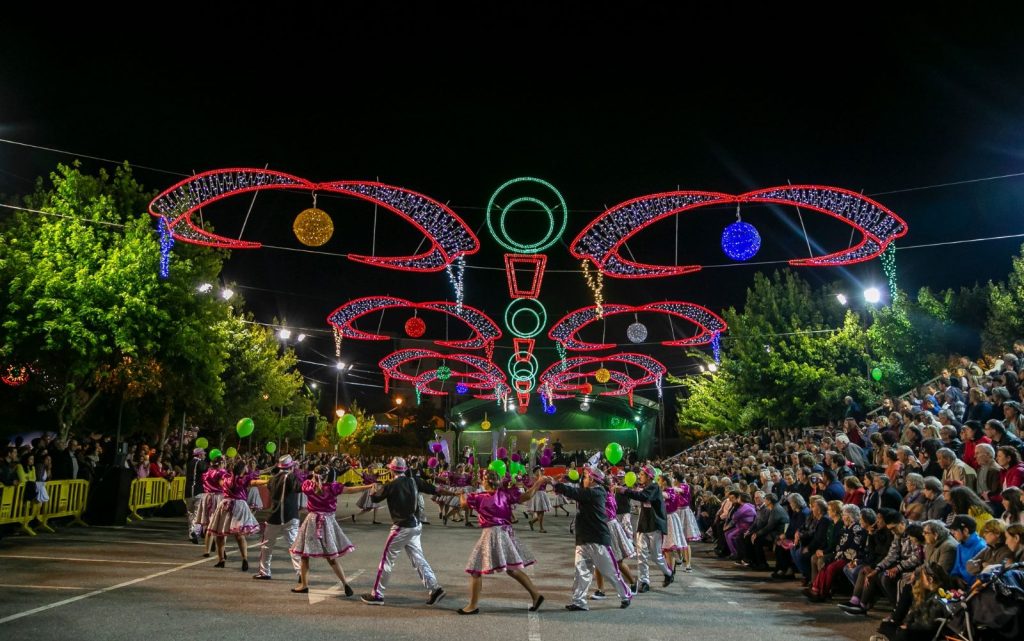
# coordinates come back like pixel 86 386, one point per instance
pixel 849 551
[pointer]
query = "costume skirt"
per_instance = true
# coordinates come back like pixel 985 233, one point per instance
pixel 233 516
pixel 254 499
pixel 498 550
pixel 557 500
pixel 364 502
pixel 690 528
pixel 540 502
pixel 675 539
pixel 208 504
pixel 622 544
pixel 321 536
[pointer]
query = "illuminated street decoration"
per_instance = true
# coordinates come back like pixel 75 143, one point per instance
pixel 485 330
pixel 565 331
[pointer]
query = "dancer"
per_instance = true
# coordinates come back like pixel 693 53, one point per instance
pixel 674 543
pixel 622 543
pixel 691 530
pixel 401 494
pixel 212 495
pixel 363 502
pixel 285 488
pixel 650 529
pixel 540 502
pixel 320 535
pixel 593 540
pixel 233 514
pixel 624 509
pixel 194 491
pixel 558 502
pixel 498 548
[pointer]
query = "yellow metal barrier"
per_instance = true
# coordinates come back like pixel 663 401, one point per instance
pixel 177 489
pixel 146 493
pixel 383 474
pixel 67 498
pixel 14 509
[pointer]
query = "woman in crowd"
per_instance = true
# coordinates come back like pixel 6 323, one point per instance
pixel 320 535
pixel 811 538
pixel 498 549
pixel 849 549
pixel 926 610
pixel 965 501
pixel 995 552
pixel 854 491
pixel 799 513
pixel 893 467
pixel 1012 475
pixel 1013 506
pixel 823 555
pixel 914 500
pixel 1014 533
pixel 973 436
pixel 540 503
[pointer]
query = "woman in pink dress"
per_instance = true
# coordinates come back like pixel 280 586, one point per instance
pixel 498 549
pixel 320 535
pixel 210 500
pixel 233 515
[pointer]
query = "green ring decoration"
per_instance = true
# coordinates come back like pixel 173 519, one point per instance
pixel 540 314
pixel 550 238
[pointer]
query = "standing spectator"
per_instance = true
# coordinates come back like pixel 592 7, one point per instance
pixel 65 466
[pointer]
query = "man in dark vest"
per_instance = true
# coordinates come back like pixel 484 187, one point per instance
pixel 650 529
pixel 194 471
pixel 284 517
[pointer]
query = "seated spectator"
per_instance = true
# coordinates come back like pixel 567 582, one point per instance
pixel 997 432
pixel 763 538
pixel 893 467
pixel 812 537
pixel 914 497
pixel 996 551
pixel 799 514
pixel 739 522
pixel 823 555
pixel 924 607
pixel 989 484
pixel 1013 506
pixel 973 435
pixel 940 546
pixel 888 496
pixel 854 491
pixel 965 502
pixel 936 508
pixel 1014 534
pixel 904 554
pixel 979 409
pixel 1012 475
pixel 849 551
pixel 929 458
pixel 955 469
pixel 965 531
pixel 830 487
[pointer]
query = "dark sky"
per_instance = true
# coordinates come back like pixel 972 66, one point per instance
pixel 606 107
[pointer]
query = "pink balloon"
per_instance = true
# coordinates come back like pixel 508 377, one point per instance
pixel 432 462
pixel 515 457
pixel 502 452
pixel 548 452
pixel 545 461
pixel 436 447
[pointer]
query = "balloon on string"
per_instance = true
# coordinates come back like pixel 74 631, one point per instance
pixel 876 373
pixel 231 452
pixel 515 457
pixel 548 452
pixel 630 479
pixel 485 425
pixel 346 425
pixel 613 453
pixel 545 460
pixel 245 427
pixel 432 462
pixel 498 467
pixel 215 454
pixel 436 447
pixel 202 442
pixel 271 447
pixel 502 452
pixel 574 475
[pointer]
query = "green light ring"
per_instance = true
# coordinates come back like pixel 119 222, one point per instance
pixel 515 368
pixel 514 246
pixel 540 244
pixel 540 315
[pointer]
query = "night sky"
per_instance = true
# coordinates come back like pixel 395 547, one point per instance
pixel 606 109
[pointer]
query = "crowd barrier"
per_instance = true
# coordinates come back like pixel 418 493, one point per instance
pixel 148 493
pixel 177 489
pixel 67 498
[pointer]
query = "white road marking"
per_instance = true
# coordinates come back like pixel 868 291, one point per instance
pixel 117 541
pixel 316 596
pixel 41 587
pixel 732 603
pixel 534 626
pixel 100 591
pixel 63 558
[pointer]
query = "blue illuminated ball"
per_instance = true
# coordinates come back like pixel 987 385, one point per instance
pixel 740 241
pixel 550 409
pixel 461 388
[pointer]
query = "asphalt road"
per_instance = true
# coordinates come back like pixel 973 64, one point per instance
pixel 145 582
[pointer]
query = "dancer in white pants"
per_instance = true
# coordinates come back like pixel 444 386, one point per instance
pixel 593 541
pixel 402 494
pixel 650 528
pixel 285 489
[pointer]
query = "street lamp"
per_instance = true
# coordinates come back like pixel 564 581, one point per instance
pixel 712 367
pixel 842 299
pixel 226 293
pixel 398 400
pixel 284 334
pixel 872 295
pixel 340 412
pixel 300 338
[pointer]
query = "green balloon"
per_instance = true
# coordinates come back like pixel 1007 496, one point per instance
pixel 346 425
pixel 245 427
pixel 215 454
pixel 231 453
pixel 498 467
pixel 574 475
pixel 876 373
pixel 271 447
pixel 613 453
pixel 202 442
pixel 630 479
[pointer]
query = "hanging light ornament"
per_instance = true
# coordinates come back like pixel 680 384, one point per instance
pixel 15 376
pixel 166 244
pixel 337 341
pixel 602 375
pixel 716 347
pixel 460 388
pixel 587 388
pixel 444 373
pixel 888 259
pixel 740 240
pixel 550 409
pixel 415 327
pixel 595 281
pixel 637 332
pixel 313 227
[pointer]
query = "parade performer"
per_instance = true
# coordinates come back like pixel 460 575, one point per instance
pixel 622 543
pixel 691 531
pixel 213 494
pixel 401 495
pixel 674 544
pixel 320 535
pixel 194 491
pixel 285 489
pixel 498 549
pixel 363 502
pixel 650 529
pixel 593 540
pixel 233 514
pixel 540 502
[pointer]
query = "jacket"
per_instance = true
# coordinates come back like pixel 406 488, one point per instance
pixel 944 553
pixel 966 551
pixel 878 546
pixel 284 490
pixel 194 471
pixel 652 510
pixel 904 553
pixel 819 537
pixel 774 526
pixel 401 495
pixel 591 523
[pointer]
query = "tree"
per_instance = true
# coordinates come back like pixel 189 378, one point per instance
pixel 1005 322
